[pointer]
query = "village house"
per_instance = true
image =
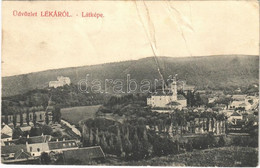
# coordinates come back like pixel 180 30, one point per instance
pixel 201 91
pixel 6 134
pixel 54 146
pixel 219 107
pixel 227 112
pixel 239 97
pixel 36 149
pixel 182 86
pixel 26 129
pixel 240 104
pixel 218 92
pixel 5 138
pixel 38 139
pixel 244 102
pixel 233 118
pixel 38 144
pixel 212 99
pixel 10 152
pixel 6 130
pixel 60 146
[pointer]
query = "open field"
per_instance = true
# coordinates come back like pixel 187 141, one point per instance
pixel 220 157
pixel 76 114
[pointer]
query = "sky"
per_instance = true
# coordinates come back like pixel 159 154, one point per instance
pixel 129 30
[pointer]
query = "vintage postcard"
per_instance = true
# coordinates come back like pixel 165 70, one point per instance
pixel 130 83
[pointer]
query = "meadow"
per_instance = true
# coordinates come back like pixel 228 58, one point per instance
pixel 75 114
pixel 220 157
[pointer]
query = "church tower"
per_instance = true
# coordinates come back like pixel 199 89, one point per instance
pixel 174 89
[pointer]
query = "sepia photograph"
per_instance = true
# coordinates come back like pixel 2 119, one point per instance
pixel 130 83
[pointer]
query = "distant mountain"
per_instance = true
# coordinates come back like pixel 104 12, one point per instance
pixel 205 72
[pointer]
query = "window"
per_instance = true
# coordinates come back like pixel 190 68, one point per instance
pixel 30 149
pixel 38 149
pixel 40 116
pixel 69 144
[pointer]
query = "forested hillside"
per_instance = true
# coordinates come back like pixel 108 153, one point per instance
pixel 214 72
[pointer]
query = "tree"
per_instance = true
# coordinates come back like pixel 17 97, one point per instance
pixel 189 146
pixel 17 133
pixel 47 118
pixel 45 158
pixel 14 119
pixel 198 99
pixel 91 137
pixel 34 118
pixel 27 117
pixel 21 118
pixel 46 130
pixel 136 145
pixel 103 142
pixel 210 139
pixel 118 145
pixel 97 139
pixel 57 134
pixel 56 114
pixel 35 131
pixel 190 98
pixel 6 119
pixel 221 141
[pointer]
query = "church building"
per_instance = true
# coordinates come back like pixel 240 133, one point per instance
pixel 167 98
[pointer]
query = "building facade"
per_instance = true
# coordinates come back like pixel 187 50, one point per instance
pixel 61 81
pixel 168 98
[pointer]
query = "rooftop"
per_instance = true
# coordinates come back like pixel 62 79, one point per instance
pixel 62 144
pixel 12 148
pixel 26 128
pixel 84 154
pixel 235 114
pixel 180 97
pixel 39 139
pixel 3 136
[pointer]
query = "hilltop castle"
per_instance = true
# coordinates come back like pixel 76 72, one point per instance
pixel 61 81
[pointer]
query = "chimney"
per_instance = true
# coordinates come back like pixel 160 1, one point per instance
pixel 26 143
pixel 42 134
pixel 57 140
pixel 28 136
pixel 63 139
pixel 22 150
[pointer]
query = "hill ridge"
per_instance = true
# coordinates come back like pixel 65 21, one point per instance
pixel 204 71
